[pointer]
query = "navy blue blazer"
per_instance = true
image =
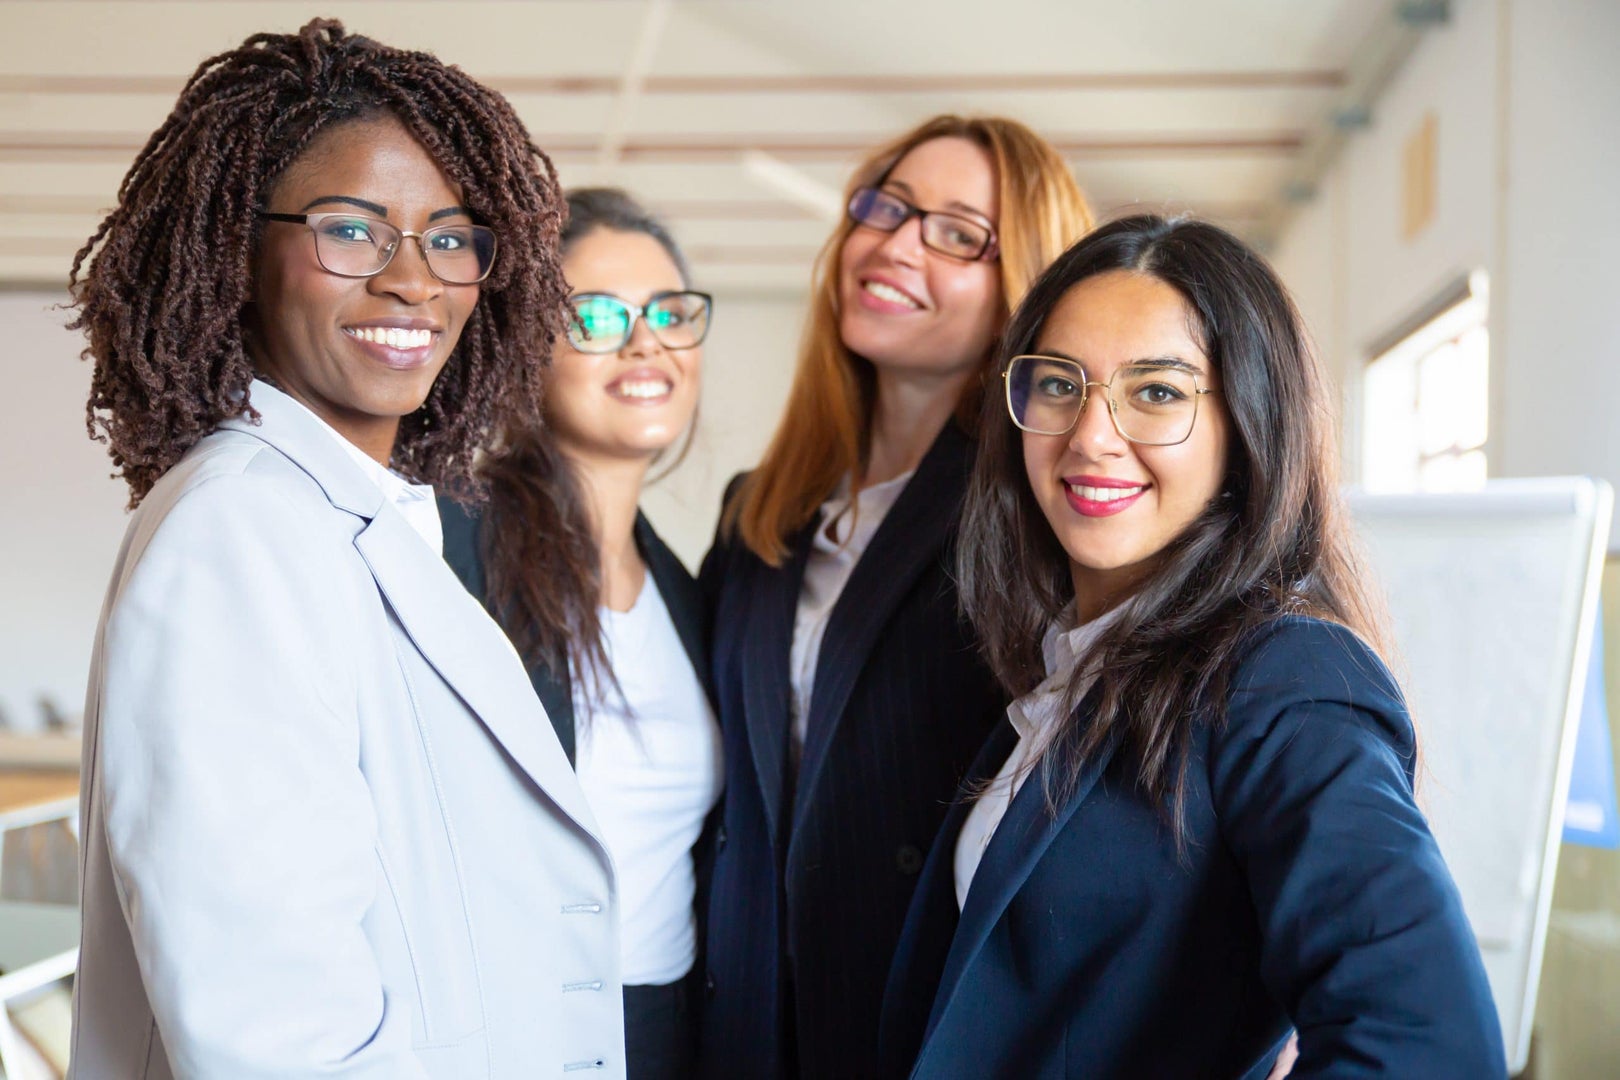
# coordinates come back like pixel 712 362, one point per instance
pixel 1310 893
pixel 464 551
pixel 812 880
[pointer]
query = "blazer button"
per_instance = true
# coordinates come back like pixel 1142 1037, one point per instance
pixel 708 985
pixel 908 860
pixel 720 838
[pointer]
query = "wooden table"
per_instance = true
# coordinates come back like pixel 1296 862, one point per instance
pixel 30 796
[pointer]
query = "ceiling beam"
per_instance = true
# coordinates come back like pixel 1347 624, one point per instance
pixel 67 148
pixel 990 82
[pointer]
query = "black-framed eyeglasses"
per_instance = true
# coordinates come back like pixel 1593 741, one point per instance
pixel 1154 404
pixel 949 234
pixel 603 323
pixel 357 246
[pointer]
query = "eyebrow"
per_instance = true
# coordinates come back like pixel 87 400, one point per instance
pixel 1174 363
pixel 380 210
pixel 955 205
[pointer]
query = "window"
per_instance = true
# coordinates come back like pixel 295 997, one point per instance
pixel 1425 397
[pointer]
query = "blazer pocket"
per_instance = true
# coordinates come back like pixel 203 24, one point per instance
pixel 425 949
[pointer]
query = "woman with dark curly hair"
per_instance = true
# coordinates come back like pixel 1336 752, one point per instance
pixel 327 827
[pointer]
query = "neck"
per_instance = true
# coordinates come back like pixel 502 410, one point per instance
pixel 613 490
pixel 908 414
pixel 374 435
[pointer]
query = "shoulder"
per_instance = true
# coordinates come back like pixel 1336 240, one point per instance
pixel 233 483
pixel 1300 676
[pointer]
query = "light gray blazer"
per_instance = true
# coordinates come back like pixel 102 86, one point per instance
pixel 328 829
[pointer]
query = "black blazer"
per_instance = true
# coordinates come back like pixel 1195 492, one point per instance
pixel 812 881
pixel 464 551
pixel 1310 892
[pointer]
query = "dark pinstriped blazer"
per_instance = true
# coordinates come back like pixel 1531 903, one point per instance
pixel 812 880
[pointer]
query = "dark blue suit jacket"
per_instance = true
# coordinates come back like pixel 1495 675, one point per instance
pixel 1311 893
pixel 812 881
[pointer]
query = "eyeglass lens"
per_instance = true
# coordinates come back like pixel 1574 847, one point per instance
pixel 603 323
pixel 357 246
pixel 948 234
pixel 1150 404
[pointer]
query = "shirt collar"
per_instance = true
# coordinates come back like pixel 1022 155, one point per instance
pixel 1063 648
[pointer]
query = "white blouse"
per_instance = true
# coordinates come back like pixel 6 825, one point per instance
pixel 837 547
pixel 415 502
pixel 650 764
pixel 1035 717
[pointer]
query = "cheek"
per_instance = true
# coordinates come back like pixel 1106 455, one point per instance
pixel 974 293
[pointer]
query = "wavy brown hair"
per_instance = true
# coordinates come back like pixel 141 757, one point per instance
pixel 542 552
pixel 1275 541
pixel 823 435
pixel 164 286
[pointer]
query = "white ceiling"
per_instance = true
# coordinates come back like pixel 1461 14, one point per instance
pixel 1201 105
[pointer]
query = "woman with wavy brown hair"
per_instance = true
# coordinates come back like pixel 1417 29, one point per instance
pixel 607 620
pixel 851 694
pixel 327 828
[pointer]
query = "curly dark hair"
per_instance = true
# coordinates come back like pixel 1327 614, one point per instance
pixel 163 300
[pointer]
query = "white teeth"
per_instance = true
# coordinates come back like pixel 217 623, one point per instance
pixel 651 388
pixel 1101 494
pixel 889 293
pixel 393 337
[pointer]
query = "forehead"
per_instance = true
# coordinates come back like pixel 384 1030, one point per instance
pixel 376 158
pixel 949 173
pixel 1114 318
pixel 631 265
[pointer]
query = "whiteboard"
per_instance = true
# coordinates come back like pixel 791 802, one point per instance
pixel 1494 595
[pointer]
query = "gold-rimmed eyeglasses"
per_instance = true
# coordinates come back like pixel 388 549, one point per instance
pixel 357 246
pixel 1152 402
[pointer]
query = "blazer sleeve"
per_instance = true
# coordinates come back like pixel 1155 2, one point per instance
pixel 239 826
pixel 1364 938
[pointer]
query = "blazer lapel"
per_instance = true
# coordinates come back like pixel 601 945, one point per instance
pixel 471 654
pixel 1020 840
pixel 448 626
pixel 768 685
pixel 913 535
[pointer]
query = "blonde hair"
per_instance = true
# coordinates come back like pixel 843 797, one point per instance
pixel 823 434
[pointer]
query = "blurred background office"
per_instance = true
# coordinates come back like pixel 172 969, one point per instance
pixel 1434 179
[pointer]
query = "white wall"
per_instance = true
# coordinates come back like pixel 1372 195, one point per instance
pixel 62 516
pixel 1526 96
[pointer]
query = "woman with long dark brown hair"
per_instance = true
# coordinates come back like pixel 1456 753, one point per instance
pixel 850 689
pixel 1197 825
pixel 327 830
pixel 607 620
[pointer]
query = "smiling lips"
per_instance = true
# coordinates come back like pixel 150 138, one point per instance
pixel 399 347
pixel 642 387
pixel 888 297
pixel 1099 496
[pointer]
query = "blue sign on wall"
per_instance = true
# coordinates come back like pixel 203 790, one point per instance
pixel 1591 816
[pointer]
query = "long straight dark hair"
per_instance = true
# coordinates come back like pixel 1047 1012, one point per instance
pixel 1274 541
pixel 542 556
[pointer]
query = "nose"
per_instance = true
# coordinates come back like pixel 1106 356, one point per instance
pixel 641 342
pixel 905 245
pixel 407 276
pixel 1094 434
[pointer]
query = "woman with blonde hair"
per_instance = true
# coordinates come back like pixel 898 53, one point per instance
pixel 851 691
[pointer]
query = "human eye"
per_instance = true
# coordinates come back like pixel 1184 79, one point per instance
pixel 450 238
pixel 665 314
pixel 349 230
pixel 1054 385
pixel 1158 389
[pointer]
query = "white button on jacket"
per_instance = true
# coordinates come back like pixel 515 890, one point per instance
pixel 328 830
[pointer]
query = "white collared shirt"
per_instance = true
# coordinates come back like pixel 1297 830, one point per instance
pixel 1035 717
pixel 415 502
pixel 839 542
